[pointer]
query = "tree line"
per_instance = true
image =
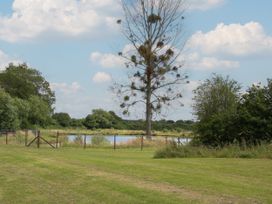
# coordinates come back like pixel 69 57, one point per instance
pixel 101 119
pixel 26 101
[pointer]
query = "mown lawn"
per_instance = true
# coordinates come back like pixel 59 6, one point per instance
pixel 74 175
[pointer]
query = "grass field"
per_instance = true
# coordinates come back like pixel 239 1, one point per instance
pixel 74 175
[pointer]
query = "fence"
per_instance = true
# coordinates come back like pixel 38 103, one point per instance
pixel 30 138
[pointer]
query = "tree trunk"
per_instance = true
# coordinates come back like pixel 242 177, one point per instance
pixel 148 119
pixel 148 107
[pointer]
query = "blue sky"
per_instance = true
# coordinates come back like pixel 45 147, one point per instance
pixel 73 43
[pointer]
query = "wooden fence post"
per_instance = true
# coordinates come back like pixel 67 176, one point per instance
pixel 26 137
pixel 84 141
pixel 179 142
pixel 114 142
pixel 6 137
pixel 57 140
pixel 166 140
pixel 38 139
pixel 142 143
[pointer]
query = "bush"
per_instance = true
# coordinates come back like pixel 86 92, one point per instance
pixel 233 151
pixel 63 119
pixel 99 140
pixel 8 112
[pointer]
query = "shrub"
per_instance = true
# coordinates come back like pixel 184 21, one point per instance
pixel 233 151
pixel 99 140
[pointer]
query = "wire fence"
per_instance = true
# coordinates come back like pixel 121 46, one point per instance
pixel 36 138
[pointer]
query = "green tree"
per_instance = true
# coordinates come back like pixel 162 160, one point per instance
pixel 40 114
pixel 255 115
pixel 23 82
pixel 154 29
pixel 215 105
pixel 63 119
pixel 8 112
pixel 99 119
pixel 23 111
pixel 77 123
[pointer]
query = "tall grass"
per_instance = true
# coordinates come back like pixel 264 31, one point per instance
pixel 233 151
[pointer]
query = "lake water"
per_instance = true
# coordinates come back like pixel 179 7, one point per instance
pixel 123 138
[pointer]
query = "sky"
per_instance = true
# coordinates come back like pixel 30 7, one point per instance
pixel 74 44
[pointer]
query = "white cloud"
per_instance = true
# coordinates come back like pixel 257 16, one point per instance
pixel 101 77
pixel 200 62
pixel 31 18
pixel 5 60
pixel 188 92
pixel 225 45
pixel 233 39
pixel 220 48
pixel 65 88
pixel 212 62
pixel 192 60
pixel 77 101
pixel 107 60
pixel 204 4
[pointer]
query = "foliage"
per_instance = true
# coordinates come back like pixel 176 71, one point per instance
pixel 99 119
pixel 232 151
pixel 226 118
pixel 23 112
pixel 215 95
pixel 63 119
pixel 99 140
pixel 254 123
pixel 40 114
pixel 31 97
pixel 154 29
pixel 77 123
pixel 23 82
pixel 215 105
pixel 8 112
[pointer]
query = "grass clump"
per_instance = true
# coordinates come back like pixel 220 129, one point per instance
pixel 99 141
pixel 232 151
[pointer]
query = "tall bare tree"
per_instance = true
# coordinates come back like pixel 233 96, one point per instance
pixel 155 33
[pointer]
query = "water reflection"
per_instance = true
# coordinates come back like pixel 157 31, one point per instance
pixel 120 139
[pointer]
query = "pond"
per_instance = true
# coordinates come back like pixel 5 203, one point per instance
pixel 121 139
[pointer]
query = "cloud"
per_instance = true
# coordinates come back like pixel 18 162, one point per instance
pixel 101 77
pixel 226 45
pixel 220 48
pixel 78 101
pixel 107 60
pixel 5 60
pixel 188 92
pixel 212 62
pixel 65 88
pixel 31 18
pixel 234 40
pixel 204 4
pixel 199 62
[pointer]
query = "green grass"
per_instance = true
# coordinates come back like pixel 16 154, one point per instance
pixel 263 151
pixel 73 175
